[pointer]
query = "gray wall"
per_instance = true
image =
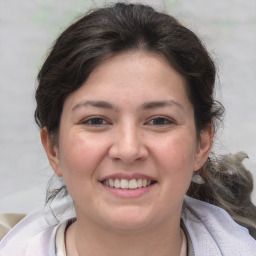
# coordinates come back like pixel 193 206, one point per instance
pixel 27 28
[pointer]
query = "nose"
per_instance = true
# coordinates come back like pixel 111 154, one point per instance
pixel 128 145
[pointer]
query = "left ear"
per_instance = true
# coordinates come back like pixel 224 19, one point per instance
pixel 204 147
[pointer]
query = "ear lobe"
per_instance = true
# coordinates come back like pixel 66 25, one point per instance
pixel 51 150
pixel 204 147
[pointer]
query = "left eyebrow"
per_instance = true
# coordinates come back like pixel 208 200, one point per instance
pixel 160 104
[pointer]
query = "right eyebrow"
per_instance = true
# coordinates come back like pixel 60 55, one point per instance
pixel 97 104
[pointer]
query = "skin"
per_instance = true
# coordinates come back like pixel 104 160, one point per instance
pixel 128 136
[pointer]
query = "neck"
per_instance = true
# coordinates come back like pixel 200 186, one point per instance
pixel 83 240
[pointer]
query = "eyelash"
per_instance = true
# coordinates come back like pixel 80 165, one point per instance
pixel 100 121
pixel 163 121
pixel 89 121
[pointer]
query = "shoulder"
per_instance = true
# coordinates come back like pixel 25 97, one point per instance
pixel 7 221
pixel 214 232
pixel 33 235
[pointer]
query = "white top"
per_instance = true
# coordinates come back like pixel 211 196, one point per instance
pixel 61 248
pixel 60 239
pixel 183 251
pixel 211 231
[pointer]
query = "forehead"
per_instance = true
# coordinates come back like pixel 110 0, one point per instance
pixel 132 77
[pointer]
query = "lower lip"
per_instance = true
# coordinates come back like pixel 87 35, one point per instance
pixel 129 193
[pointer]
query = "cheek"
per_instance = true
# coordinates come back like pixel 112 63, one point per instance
pixel 80 156
pixel 176 155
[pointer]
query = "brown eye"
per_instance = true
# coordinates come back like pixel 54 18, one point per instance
pixel 160 121
pixel 95 121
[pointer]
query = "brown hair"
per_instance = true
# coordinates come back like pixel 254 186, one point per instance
pixel 108 31
pixel 105 32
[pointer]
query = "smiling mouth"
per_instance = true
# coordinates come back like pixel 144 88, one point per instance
pixel 128 184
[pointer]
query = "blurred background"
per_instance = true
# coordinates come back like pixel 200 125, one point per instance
pixel 27 30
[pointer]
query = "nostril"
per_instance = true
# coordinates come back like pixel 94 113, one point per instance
pixel 127 146
pixel 128 154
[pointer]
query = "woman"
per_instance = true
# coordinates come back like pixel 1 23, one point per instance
pixel 127 116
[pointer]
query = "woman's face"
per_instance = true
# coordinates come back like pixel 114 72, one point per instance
pixel 127 143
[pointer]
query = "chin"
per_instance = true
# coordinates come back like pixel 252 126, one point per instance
pixel 129 218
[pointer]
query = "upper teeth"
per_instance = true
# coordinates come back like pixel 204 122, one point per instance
pixel 127 184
